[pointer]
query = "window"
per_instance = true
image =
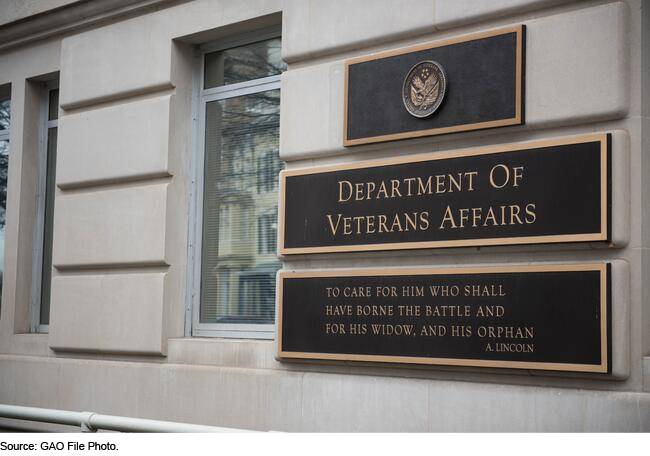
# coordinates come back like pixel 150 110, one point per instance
pixel 45 198
pixel 268 167
pixel 238 165
pixel 5 124
pixel 267 232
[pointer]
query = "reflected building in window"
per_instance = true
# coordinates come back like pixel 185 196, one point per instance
pixel 241 167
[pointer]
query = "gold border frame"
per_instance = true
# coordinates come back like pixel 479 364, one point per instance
pixel 604 323
pixel 431 156
pixel 516 120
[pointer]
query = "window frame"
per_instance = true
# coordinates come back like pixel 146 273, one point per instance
pixel 39 227
pixel 202 96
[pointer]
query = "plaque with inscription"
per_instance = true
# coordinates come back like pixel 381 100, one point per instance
pixel 457 84
pixel 528 193
pixel 548 317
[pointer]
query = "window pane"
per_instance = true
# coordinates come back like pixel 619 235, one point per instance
pixel 46 281
pixel 239 259
pixel 243 63
pixel 53 105
pixel 4 167
pixel 5 114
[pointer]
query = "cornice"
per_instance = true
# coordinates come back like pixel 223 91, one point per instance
pixel 73 17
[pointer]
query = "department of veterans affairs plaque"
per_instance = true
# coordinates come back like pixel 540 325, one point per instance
pixel 545 191
pixel 457 84
pixel 548 317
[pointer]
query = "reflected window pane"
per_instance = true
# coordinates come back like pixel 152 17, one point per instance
pixel 238 273
pixel 4 167
pixel 243 63
pixel 5 114
pixel 46 281
pixel 53 105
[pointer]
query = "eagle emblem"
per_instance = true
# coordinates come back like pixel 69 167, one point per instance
pixel 424 88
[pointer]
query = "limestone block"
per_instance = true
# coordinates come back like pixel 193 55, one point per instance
pixel 118 313
pixel 371 404
pixel 241 353
pixel 499 408
pixel 123 58
pixel 311 121
pixel 110 227
pixel 122 142
pixel 587 80
pixel 312 27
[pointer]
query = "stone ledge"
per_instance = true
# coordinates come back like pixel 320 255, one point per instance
pixel 297 401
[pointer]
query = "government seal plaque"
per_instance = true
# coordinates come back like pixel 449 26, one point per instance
pixel 424 89
pixel 457 84
pixel 549 317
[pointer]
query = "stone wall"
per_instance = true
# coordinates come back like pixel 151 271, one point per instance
pixel 118 341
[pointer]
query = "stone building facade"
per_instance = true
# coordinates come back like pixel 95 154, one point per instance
pixel 141 143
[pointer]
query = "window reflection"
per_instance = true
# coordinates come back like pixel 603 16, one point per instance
pixel 5 123
pixel 4 167
pixel 243 63
pixel 5 114
pixel 242 162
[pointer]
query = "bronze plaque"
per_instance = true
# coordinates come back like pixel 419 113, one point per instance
pixel 458 84
pixel 545 191
pixel 549 317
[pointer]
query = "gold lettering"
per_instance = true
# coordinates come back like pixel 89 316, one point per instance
pixel 394 188
pixel 455 183
pixel 507 176
pixel 471 175
pixel 396 222
pixel 411 221
pixel 424 220
pixel 464 216
pixel 382 224
pixel 476 215
pixel 440 183
pixel 448 217
pixel 424 189
pixel 370 224
pixel 347 225
pixel 358 191
pixel 333 227
pixel 530 213
pixel 409 181
pixel 518 175
pixel 370 187
pixel 382 189
pixel 514 214
pixel 349 185
pixel 490 216
pixel 358 220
